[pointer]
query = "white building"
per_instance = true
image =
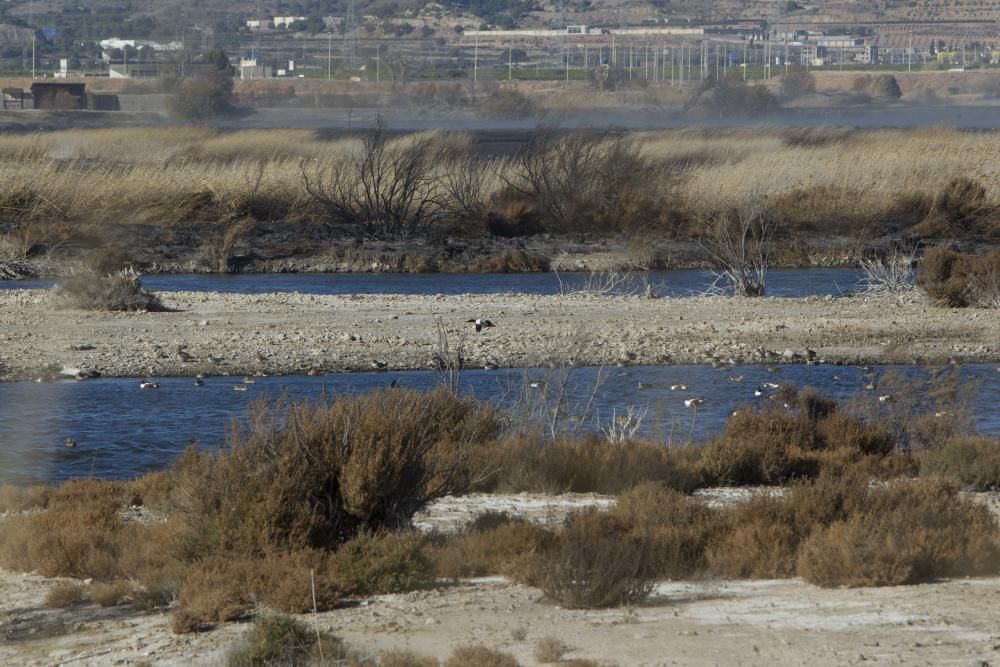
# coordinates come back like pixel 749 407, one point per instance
pixel 117 43
pixel 285 21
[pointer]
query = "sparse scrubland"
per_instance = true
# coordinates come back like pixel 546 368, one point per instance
pixel 309 505
pixel 207 200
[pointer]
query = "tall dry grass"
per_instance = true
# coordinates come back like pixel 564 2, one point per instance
pixel 831 181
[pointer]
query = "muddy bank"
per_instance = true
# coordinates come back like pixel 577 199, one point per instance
pixel 297 333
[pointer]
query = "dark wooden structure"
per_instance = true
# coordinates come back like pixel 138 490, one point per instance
pixel 103 102
pixel 59 95
pixel 13 95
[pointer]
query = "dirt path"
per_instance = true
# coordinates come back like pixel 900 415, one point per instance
pixel 291 333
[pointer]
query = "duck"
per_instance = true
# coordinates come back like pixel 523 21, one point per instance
pixel 239 387
pixel 480 324
pixel 182 355
pixel 693 402
pixel 248 380
pixel 758 392
pixel 149 385
pixel 736 378
pixel 537 385
pixel 885 398
pixel 312 372
pixel 69 442
pixel 198 382
pixel 678 387
pixel 771 385
pixel 489 367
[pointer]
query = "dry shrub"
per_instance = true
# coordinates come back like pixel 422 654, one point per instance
pixel 119 291
pixel 275 639
pixel 592 465
pixel 62 596
pixel 960 208
pixel 759 543
pixel 811 433
pixel 676 529
pixel 308 475
pixel 112 594
pixel 23 498
pixel 76 542
pixel 909 532
pixel 291 582
pixel 957 280
pixel 761 538
pixel 596 564
pixel 507 549
pixel 183 622
pixel 400 658
pixel 973 461
pixel 759 448
pixel 549 650
pixel 479 656
pixel 389 562
pixel 216 590
pixel 512 261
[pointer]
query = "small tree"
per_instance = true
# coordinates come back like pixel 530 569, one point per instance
pixel 208 93
pixel 797 83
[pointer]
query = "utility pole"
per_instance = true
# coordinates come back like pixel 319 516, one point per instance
pixel 31 22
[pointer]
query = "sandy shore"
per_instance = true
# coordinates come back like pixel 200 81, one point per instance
pixel 292 333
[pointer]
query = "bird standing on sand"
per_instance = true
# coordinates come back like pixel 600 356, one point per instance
pixel 481 324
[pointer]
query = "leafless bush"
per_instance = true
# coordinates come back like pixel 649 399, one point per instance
pixel 580 182
pixel 740 242
pixel 607 283
pixel 387 189
pixel 623 426
pixel 892 273
pixel 117 291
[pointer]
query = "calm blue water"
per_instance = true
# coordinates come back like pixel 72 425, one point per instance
pixel 780 282
pixel 123 431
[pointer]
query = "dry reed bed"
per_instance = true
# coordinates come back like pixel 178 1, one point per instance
pixel 841 180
